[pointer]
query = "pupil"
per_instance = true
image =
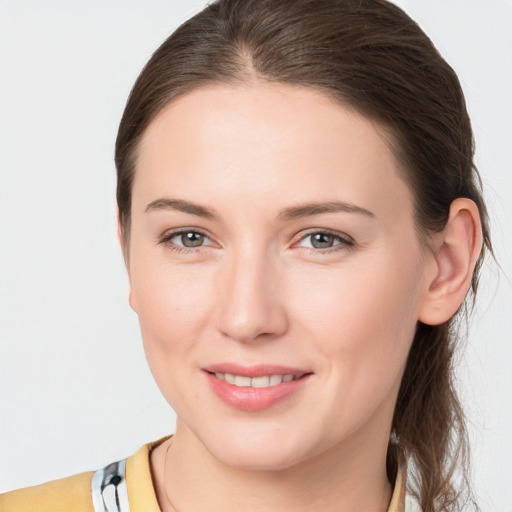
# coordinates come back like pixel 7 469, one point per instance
pixel 192 239
pixel 322 240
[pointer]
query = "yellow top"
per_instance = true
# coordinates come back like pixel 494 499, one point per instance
pixel 73 494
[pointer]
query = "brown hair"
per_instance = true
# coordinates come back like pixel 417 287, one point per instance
pixel 368 54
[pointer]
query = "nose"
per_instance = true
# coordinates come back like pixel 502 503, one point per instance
pixel 250 304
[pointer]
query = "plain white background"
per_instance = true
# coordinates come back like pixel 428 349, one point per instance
pixel 75 391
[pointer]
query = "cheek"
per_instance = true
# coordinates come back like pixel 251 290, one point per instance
pixel 362 317
pixel 172 310
pixel 171 302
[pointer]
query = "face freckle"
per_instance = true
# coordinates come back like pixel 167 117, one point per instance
pixel 256 173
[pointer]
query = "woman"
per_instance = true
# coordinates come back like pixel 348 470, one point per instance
pixel 301 222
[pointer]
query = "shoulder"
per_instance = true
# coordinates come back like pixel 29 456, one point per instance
pixel 71 494
pixel 123 485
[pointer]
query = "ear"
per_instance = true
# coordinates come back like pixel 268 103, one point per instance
pixel 121 241
pixel 455 253
pixel 131 301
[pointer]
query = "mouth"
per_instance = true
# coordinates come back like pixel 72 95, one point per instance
pixel 263 381
pixel 255 388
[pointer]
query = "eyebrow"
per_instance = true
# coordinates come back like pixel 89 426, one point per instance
pixel 291 213
pixel 306 210
pixel 182 206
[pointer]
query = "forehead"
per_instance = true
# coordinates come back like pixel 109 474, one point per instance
pixel 268 142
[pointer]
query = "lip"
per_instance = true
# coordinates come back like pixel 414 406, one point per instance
pixel 250 398
pixel 257 370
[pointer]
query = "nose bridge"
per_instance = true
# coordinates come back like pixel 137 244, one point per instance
pixel 250 304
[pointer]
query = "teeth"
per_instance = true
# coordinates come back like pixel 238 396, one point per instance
pixel 255 382
pixel 242 381
pixel 228 377
pixel 260 382
pixel 275 380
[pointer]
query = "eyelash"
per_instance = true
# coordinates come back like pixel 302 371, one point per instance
pixel 345 242
pixel 166 240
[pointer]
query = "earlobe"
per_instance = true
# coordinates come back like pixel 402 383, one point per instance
pixel 455 255
pixel 131 301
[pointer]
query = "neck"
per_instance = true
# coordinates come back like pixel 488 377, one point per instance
pixel 345 478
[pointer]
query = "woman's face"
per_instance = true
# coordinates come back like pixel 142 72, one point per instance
pixel 273 239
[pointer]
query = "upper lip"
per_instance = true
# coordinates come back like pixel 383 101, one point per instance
pixel 257 370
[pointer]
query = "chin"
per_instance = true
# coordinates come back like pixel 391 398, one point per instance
pixel 256 458
pixel 258 449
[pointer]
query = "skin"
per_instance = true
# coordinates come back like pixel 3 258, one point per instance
pixel 256 291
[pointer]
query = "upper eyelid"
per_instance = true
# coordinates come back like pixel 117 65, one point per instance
pixel 179 231
pixel 342 236
pixel 171 233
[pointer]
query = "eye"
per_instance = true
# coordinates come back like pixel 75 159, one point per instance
pixel 185 239
pixel 325 240
pixel 189 239
pixel 321 240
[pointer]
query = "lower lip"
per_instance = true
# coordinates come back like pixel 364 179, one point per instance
pixel 247 398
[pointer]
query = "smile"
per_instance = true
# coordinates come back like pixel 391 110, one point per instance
pixel 264 381
pixel 256 387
